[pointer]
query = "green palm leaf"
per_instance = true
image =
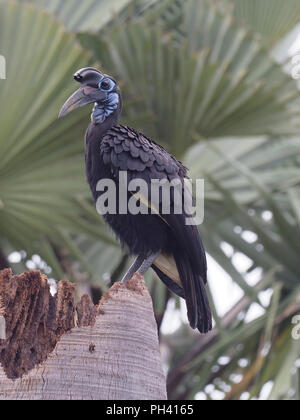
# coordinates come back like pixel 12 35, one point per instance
pixel 271 19
pixel 213 92
pixel 87 15
pixel 42 165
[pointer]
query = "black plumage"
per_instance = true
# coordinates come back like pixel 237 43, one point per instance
pixel 181 265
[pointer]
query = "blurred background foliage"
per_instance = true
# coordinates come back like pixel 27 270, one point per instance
pixel 211 81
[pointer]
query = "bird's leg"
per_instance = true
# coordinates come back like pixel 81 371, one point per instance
pixel 148 262
pixel 133 268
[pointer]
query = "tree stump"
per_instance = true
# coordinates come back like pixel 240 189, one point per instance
pixel 56 350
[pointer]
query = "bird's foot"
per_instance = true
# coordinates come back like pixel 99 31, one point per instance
pixel 140 265
pixel 133 268
pixel 148 262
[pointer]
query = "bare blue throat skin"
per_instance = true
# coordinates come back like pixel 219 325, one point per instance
pixel 104 108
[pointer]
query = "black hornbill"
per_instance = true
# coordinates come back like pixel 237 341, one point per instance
pixel 162 241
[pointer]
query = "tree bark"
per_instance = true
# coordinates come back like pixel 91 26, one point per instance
pixel 111 354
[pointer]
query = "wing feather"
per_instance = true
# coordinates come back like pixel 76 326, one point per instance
pixel 128 150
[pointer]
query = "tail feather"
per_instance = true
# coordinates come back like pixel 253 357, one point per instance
pixel 192 288
pixel 204 313
pixel 170 283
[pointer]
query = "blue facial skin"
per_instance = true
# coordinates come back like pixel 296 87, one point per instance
pixel 104 108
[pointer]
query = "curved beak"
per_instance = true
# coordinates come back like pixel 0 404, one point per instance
pixel 83 96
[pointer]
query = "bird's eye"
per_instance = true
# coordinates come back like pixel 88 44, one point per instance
pixel 106 85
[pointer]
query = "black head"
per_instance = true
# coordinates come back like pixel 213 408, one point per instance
pixel 89 76
pixel 96 87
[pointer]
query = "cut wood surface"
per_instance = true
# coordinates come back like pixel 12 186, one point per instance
pixel 56 350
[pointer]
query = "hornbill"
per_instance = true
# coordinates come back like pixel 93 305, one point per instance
pixel 159 240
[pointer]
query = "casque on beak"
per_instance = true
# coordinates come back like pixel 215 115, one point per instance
pixel 83 96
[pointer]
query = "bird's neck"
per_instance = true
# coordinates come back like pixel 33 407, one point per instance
pixel 96 131
pixel 103 110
